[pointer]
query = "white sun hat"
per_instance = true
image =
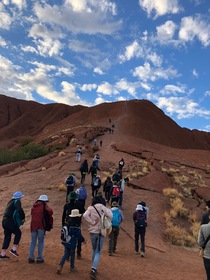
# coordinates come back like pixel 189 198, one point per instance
pixel 43 197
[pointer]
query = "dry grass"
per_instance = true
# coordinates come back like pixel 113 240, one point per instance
pixel 178 235
pixel 181 180
pixel 171 192
pixel 62 187
pixel 178 208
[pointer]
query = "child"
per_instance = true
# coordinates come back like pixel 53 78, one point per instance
pixel 70 247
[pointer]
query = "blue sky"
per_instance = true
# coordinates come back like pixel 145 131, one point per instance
pixel 93 51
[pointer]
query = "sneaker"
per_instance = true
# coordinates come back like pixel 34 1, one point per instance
pixel 92 274
pixel 14 253
pixel 137 253
pixel 59 269
pixel 31 260
pixel 142 254
pixel 40 261
pixel 4 257
pixel 73 269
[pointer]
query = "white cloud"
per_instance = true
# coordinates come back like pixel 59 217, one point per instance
pixel 97 70
pixel 19 3
pixel 5 18
pixel 99 100
pixel 196 27
pixel 107 89
pixel 172 89
pixel 29 49
pixel 160 7
pixel 2 42
pixel 132 50
pixel 87 17
pixel 166 31
pixel 88 87
pixel 207 93
pixel 124 85
pixel 146 72
pixel 195 73
pixel 183 107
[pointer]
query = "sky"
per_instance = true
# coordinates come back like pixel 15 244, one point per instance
pixel 89 52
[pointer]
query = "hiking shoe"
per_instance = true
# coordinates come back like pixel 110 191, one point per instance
pixel 40 261
pixel 137 253
pixel 142 254
pixel 14 253
pixel 92 274
pixel 31 261
pixel 59 269
pixel 4 257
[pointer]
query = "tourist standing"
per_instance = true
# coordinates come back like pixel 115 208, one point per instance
pixel 37 227
pixel 13 218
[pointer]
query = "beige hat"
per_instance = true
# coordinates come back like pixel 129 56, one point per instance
pixel 75 213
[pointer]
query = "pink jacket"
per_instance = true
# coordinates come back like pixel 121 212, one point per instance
pixel 92 217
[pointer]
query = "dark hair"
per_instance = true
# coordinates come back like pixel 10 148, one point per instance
pixel 143 203
pixel 126 179
pixel 96 200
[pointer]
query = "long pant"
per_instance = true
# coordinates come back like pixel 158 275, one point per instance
pixel 121 199
pixel 37 235
pixel 114 198
pixel 68 253
pixel 94 191
pixel 113 239
pixel 140 232
pixel 78 156
pixel 97 241
pixel 82 202
pixel 207 267
pixel 10 228
pixel 83 174
pixel 79 248
pixel 107 194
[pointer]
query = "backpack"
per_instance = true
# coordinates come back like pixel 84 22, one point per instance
pixel 70 180
pixel 116 217
pixel 141 219
pixel 116 191
pixel 16 216
pixel 96 182
pixel 82 193
pixel 47 221
pixel 65 236
pixel 105 222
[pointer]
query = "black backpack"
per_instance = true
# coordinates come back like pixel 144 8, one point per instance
pixel 70 180
pixel 47 221
pixel 141 219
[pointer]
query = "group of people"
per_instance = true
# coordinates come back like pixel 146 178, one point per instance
pixel 14 217
pixel 74 211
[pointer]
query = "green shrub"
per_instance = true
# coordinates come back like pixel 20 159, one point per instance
pixel 30 151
